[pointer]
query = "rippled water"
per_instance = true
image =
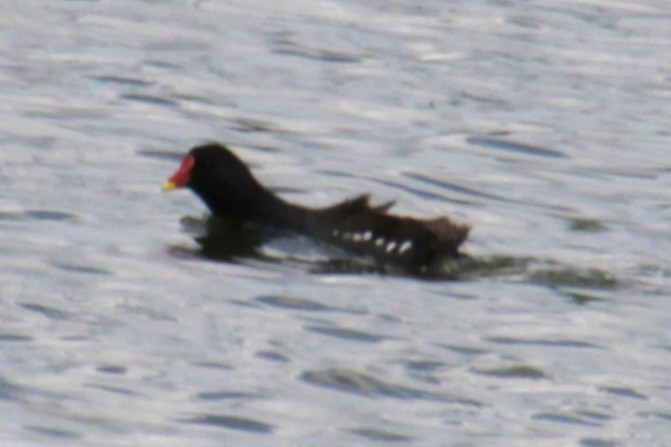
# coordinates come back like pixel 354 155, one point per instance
pixel 544 125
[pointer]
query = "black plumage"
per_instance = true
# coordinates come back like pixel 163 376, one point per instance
pixel 230 190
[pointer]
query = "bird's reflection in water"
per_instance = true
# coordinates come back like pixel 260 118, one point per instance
pixel 233 241
pixel 228 240
pixel 225 240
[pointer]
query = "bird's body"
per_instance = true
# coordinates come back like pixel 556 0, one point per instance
pixel 229 189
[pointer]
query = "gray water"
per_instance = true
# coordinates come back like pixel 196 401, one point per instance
pixel 544 125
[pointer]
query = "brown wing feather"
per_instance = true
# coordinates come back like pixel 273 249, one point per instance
pixel 432 237
pixel 447 231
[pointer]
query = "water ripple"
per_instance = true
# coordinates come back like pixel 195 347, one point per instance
pixel 151 99
pixel 511 146
pixel 366 385
pixel 557 343
pixel 347 334
pixel 515 372
pixel 48 311
pixel 568 419
pixel 374 434
pixel 293 303
pixel 232 423
pixel 53 432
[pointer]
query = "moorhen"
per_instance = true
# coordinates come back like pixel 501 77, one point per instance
pixel 229 190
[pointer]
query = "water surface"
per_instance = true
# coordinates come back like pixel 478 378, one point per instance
pixel 543 125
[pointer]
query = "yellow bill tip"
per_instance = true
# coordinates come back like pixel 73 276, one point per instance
pixel 168 186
